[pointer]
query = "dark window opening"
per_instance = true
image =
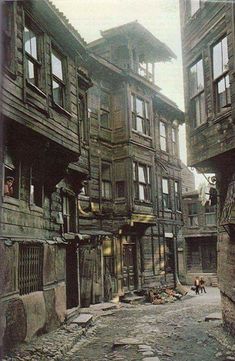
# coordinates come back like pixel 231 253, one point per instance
pixel 11 174
pixel 120 189
pixel 36 186
pixel 69 214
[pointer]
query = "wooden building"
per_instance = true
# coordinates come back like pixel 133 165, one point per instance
pixel 208 33
pixel 199 240
pixel 90 186
pixel 132 201
pixel 42 78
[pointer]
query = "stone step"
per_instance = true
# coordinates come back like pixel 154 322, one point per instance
pixel 71 314
pixel 216 316
pixel 83 320
pixel 133 300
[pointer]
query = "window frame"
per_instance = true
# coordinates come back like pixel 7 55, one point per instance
pixel 198 97
pixel 177 195
pixel 30 24
pixel 146 185
pixel 144 119
pixel 39 183
pixel 221 77
pixel 15 169
pixel 105 109
pixel 163 137
pixel 166 196
pixel 106 184
pixel 174 136
pixel 68 215
pixel 54 78
pixel 210 212
pixel 192 215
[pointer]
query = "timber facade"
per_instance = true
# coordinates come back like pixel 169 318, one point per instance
pixel 91 184
pixel 208 34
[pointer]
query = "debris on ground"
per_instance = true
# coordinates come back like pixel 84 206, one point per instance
pixel 161 295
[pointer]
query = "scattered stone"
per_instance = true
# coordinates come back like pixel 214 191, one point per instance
pixel 126 341
pixel 148 353
pixel 145 347
pixel 155 358
pixel 218 354
pixel 83 320
pixel 230 358
pixel 214 317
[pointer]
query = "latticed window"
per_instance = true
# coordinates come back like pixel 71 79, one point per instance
pixel 30 271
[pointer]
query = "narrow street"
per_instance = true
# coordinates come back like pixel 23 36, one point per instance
pixel 175 331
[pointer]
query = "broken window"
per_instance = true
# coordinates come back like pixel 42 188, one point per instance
pixel 163 136
pixel 165 193
pixel 197 94
pixel 31 48
pixel 105 103
pixel 11 174
pixel 58 83
pixel 30 268
pixel 140 115
pixel 193 215
pixel 220 75
pixel 142 182
pixel 69 213
pixel 106 182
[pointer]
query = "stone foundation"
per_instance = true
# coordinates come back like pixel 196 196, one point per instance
pixel 228 313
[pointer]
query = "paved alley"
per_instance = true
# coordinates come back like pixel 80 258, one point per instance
pixel 168 332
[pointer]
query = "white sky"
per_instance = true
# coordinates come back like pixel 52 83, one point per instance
pixel 160 17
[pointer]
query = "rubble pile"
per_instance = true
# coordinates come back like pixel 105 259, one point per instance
pixel 159 296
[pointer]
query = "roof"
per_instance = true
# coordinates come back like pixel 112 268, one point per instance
pixel 164 104
pixel 146 42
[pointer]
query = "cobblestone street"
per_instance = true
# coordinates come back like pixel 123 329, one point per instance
pixel 170 332
pixel 174 331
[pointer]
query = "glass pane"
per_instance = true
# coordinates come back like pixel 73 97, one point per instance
pixel 30 42
pixel 139 124
pixel 176 187
pixel 141 192
pixel 200 76
pixel 197 111
pixel 132 103
pixel 56 66
pixel 147 110
pixel 193 80
pixel 141 172
pixel 30 72
pixel 217 60
pixel 140 107
pixel 225 53
pixel 162 129
pixel 57 93
pixel 173 135
pixel 134 171
pixel 165 186
pixel 163 144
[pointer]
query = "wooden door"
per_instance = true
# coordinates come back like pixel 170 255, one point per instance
pixel 71 276
pixel 209 255
pixel 129 267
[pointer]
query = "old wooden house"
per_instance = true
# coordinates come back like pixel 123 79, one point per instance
pixel 42 79
pixel 208 33
pixel 199 240
pixel 131 205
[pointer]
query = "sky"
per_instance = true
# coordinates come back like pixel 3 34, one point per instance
pixel 160 17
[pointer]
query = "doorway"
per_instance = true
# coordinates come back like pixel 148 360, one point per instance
pixel 71 275
pixel 129 266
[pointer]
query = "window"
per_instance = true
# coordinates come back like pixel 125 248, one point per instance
pixel 197 95
pixel 210 214
pixel 163 136
pixel 140 115
pixel 11 174
pixel 30 274
pixel 106 188
pixel 220 75
pixel 120 189
pixel 58 84
pixel 105 110
pixel 36 185
pixel 142 182
pixel 31 48
pixel 177 196
pixel 8 35
pixel 69 214
pixel 193 215
pixel 146 70
pixel 174 141
pixel 83 116
pixel 165 193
